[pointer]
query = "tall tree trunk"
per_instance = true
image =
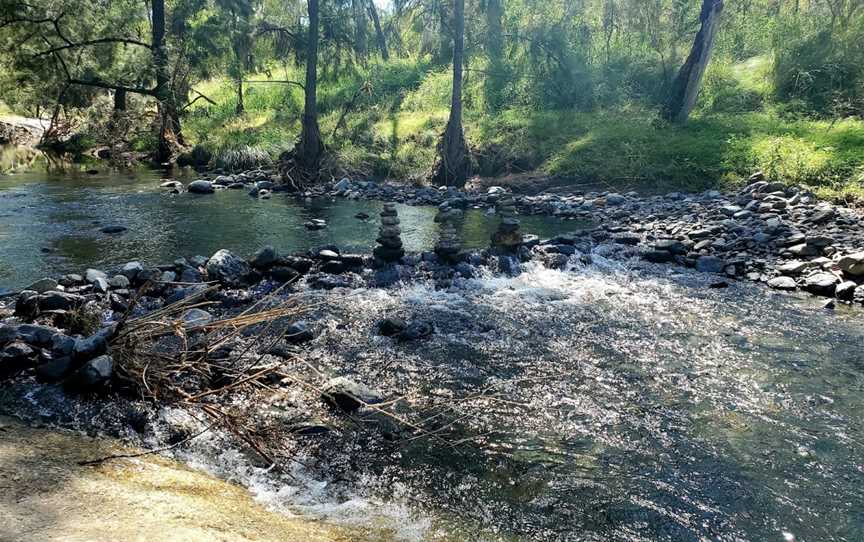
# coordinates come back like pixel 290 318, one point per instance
pixel 454 161
pixel 240 107
pixel 496 78
pixel 167 113
pixel 359 11
pixel 119 100
pixel 310 147
pixel 379 34
pixel 685 89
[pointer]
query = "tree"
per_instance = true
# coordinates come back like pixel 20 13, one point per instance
pixel 454 160
pixel 379 34
pixel 310 149
pixel 496 76
pixel 685 88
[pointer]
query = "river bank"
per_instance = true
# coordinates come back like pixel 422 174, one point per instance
pixel 49 495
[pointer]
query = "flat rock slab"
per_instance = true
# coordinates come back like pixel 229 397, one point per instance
pixel 48 496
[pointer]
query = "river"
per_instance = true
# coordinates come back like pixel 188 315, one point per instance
pixel 616 400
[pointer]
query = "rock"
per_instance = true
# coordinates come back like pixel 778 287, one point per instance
pixel 658 256
pixel 348 395
pixel 27 304
pixel 227 268
pixel 71 279
pixel 201 187
pixel 298 333
pixel 710 264
pixel 824 284
pixel 846 290
pixel 804 249
pixel 342 185
pixel 265 258
pixel 59 301
pixel 54 370
pixel 196 318
pixel 671 245
pixel 43 285
pixel 119 282
pixel 131 270
pixel 94 375
pixel 92 346
pixel 114 229
pixel 615 199
pixel 794 268
pixel 315 224
pixel 415 331
pixel 15 357
pixel 62 345
pixel 100 285
pixel 36 335
pixel 852 264
pixel 783 283
pixel 361 216
pixel 8 333
pixel 170 184
pixel 283 273
pixel 391 326
pixel 91 275
pixel 324 281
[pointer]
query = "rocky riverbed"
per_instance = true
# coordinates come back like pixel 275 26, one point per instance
pixel 767 232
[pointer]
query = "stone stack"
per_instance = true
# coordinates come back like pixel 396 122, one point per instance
pixel 449 244
pixel 507 236
pixel 389 247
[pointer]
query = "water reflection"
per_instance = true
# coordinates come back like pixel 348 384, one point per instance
pixel 51 223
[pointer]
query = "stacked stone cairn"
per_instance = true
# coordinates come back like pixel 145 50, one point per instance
pixel 507 237
pixel 389 247
pixel 449 244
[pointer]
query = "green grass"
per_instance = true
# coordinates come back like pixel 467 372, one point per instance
pixel 393 130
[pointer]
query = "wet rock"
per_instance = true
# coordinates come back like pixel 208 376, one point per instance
pixel 131 270
pixel 27 304
pixel 298 333
pixel 283 273
pixel 391 326
pixel 40 336
pixel 315 224
pixel 43 285
pixel 227 268
pixel 62 345
pixel 54 370
pixel 783 283
pixel 658 256
pixel 852 264
pixel 615 199
pixel 415 331
pixel 92 275
pixel 846 290
pixel 15 357
pixel 59 301
pixel 201 187
pixel 671 245
pixel 361 216
pixel 265 258
pixel 196 318
pixel 71 279
pixel 114 229
pixel 100 285
pixel 824 284
pixel 119 282
pixel 92 346
pixel 710 264
pixel 348 395
pixel 324 281
pixel 93 376
pixel 8 333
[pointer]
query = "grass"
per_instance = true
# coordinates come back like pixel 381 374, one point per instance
pixel 393 129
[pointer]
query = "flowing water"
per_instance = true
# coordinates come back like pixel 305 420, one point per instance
pixel 610 401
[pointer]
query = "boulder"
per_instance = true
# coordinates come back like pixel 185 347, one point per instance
pixel 59 301
pixel 783 283
pixel 43 285
pixel 824 284
pixel 852 264
pixel 131 270
pixel 226 267
pixel 94 375
pixel 391 326
pixel 265 258
pixel 92 275
pixel 54 370
pixel 846 291
pixel 36 335
pixel 201 187
pixel 283 273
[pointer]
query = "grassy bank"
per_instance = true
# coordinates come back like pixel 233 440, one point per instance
pixel 392 128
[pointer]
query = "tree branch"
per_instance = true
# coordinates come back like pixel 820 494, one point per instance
pixel 92 42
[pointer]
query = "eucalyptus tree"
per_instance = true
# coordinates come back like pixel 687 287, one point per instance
pixel 454 159
pixel 310 147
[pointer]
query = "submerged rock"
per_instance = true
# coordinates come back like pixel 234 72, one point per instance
pixel 391 326
pixel 348 395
